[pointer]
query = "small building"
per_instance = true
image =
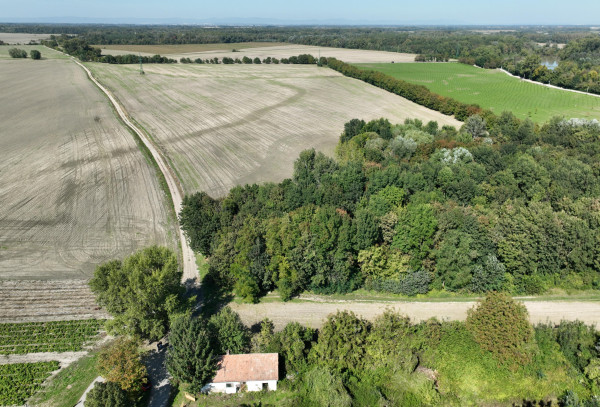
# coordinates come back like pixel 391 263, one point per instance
pixel 254 371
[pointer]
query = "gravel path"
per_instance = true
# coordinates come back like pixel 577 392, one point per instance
pixel 190 271
pixel 314 313
pixel 81 401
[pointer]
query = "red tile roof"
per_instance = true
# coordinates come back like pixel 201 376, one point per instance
pixel 247 367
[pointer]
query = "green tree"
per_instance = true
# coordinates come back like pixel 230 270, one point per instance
pixel 17 53
pixel 190 358
pixel 107 395
pixel 121 363
pixel 475 126
pixel 228 332
pixel 501 326
pixel 414 232
pixel 35 54
pixel 141 293
pixel 199 219
pixel 341 343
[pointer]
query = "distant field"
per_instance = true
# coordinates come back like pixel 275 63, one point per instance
pixel 224 125
pixel 75 190
pixel 21 38
pixel 46 52
pixel 494 90
pixel 185 48
pixel 259 50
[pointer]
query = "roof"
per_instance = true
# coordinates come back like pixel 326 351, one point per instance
pixel 247 367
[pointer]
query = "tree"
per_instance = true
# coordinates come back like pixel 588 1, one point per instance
pixel 199 219
pixel 107 395
pixel 141 293
pixel 17 53
pixel 341 342
pixel 35 54
pixel 501 326
pixel 228 332
pixel 190 358
pixel 121 363
pixel 475 126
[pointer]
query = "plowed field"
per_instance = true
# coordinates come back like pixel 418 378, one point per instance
pixel 75 189
pixel 224 125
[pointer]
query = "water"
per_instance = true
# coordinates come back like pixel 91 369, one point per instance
pixel 550 63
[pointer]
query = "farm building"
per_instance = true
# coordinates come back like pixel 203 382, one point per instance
pixel 254 371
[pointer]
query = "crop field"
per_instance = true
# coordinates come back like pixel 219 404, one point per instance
pixel 75 189
pixel 260 50
pixel 55 336
pixel 167 49
pixel 494 90
pixel 20 380
pixel 225 125
pixel 21 38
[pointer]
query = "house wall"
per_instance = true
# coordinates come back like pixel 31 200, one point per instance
pixel 235 386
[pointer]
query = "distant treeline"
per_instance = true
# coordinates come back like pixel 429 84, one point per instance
pixel 303 59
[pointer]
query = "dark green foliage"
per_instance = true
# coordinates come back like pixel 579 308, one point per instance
pixel 501 326
pixel 141 293
pixel 107 395
pixel 228 333
pixel 351 129
pixel 199 219
pixel 17 53
pixel 577 342
pixel 35 54
pixel 190 358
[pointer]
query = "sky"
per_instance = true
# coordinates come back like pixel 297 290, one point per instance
pixel 480 12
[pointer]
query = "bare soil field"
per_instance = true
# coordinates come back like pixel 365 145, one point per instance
pixel 58 300
pixel 313 314
pixel 75 190
pixel 167 49
pixel 225 125
pixel 272 50
pixel 21 38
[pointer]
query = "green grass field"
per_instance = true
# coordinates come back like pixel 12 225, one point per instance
pixel 494 90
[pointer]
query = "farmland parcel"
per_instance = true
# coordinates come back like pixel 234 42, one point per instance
pixel 224 125
pixel 75 189
pixel 493 89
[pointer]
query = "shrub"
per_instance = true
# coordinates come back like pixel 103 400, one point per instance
pixel 107 395
pixel 121 363
pixel 17 53
pixel 501 326
pixel 35 54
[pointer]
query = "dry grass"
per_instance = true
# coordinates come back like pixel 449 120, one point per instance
pixel 75 190
pixel 224 125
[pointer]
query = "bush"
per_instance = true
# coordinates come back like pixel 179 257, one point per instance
pixel 17 53
pixel 121 363
pixel 107 395
pixel 501 326
pixel 35 54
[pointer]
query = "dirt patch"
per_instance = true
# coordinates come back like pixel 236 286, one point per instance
pixel 227 125
pixel 313 314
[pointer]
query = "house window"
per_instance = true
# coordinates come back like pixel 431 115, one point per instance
pixel 265 386
pixel 229 385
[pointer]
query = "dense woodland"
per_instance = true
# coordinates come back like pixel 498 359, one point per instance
pixel 411 208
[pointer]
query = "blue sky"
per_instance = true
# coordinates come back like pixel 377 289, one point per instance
pixel 355 11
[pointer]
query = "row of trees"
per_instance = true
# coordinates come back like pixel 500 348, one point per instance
pixel 305 59
pixel 21 53
pixel 409 208
pixel 416 93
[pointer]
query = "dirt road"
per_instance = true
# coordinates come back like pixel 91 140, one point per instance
pixel 314 313
pixel 190 271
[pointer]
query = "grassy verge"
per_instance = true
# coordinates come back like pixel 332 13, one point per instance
pixel 282 396
pixel 433 296
pixel 67 387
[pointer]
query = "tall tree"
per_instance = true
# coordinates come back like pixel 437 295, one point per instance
pixel 121 363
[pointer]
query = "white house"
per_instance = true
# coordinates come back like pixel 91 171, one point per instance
pixel 257 371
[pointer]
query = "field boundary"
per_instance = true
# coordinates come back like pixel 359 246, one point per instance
pixel 546 84
pixel 190 272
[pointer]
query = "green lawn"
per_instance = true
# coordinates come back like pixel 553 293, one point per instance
pixel 493 90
